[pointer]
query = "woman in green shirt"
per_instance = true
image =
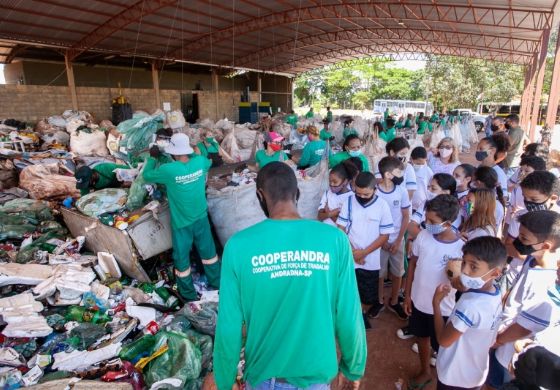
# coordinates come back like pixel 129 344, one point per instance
pixel 325 135
pixel 348 130
pixel 273 151
pixel 352 148
pixel 312 152
pixel 390 133
pixel 210 149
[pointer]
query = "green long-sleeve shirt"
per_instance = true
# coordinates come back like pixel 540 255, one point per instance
pixel 388 135
pixel 185 183
pixel 296 296
pixel 342 156
pixel 312 153
pixel 106 177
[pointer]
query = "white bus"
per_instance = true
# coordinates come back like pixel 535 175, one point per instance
pixel 401 107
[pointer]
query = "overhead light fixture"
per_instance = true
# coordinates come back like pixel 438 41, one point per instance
pixel 400 22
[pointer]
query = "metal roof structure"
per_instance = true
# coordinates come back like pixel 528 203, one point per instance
pixel 289 36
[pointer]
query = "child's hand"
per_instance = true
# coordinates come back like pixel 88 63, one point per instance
pixel 359 256
pixel 407 305
pixel 333 213
pixel 394 247
pixel 441 292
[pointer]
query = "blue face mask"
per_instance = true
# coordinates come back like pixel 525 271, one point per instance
pixel 355 153
pixel 436 229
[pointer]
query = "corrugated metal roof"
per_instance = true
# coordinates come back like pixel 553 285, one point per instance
pixel 291 36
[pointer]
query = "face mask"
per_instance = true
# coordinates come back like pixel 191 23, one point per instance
pixel 417 167
pixel 481 155
pixel 430 195
pixel 473 283
pixel 364 201
pixel 494 127
pixel 534 206
pixel 468 209
pixel 508 126
pixel 263 205
pixel 402 158
pixel 339 188
pixel 522 248
pixel 355 153
pixel 445 152
pixel 275 147
pixel 436 229
pixel 397 180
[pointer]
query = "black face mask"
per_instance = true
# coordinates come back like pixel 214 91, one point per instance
pixel 534 206
pixel 264 207
pixel 397 180
pixel 508 126
pixel 522 248
pixel 480 155
pixel 364 201
pixel 494 127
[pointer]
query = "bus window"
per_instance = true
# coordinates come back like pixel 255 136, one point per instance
pixel 515 109
pixel 504 110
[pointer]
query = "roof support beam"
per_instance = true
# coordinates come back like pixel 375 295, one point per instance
pixel 71 82
pixel 129 15
pixel 553 98
pixel 521 19
pixel 538 89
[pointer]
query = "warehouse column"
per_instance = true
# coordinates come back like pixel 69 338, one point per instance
pixel 216 89
pixel 155 83
pixel 552 107
pixel 71 82
pixel 538 89
pixel 289 95
pixel 259 87
pixel 527 90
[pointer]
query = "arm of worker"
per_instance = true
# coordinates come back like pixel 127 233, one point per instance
pixel 155 175
pixel 305 157
pixel 461 320
pixel 349 327
pixel 228 341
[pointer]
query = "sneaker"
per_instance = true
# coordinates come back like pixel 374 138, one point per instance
pixel 367 325
pixel 387 283
pixel 375 310
pixel 404 333
pixel 433 359
pixel 401 297
pixel 398 310
pixel 415 347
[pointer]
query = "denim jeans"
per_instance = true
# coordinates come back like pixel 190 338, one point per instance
pixel 272 384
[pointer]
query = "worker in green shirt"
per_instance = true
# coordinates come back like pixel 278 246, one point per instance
pixel 312 152
pixel 409 121
pixel 292 119
pixel 348 129
pixel 424 125
pixel 325 134
pixel 97 177
pixel 329 114
pixel 273 151
pixel 290 283
pixel 310 114
pixel 210 148
pixel 185 183
pixel 389 133
pixel 400 123
pixel 352 148
pixel 434 117
pixel 386 114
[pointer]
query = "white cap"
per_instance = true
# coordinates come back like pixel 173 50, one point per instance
pixel 179 145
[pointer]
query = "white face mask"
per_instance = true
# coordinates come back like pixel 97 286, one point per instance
pixel 417 167
pixel 445 152
pixel 473 283
pixel 431 195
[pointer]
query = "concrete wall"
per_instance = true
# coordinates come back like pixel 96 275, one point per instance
pixel 33 102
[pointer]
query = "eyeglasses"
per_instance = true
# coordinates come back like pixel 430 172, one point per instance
pixel 446 147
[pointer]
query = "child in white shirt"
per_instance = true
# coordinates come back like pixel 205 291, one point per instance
pixel 431 250
pixel 367 220
pixel 472 326
pixel 338 193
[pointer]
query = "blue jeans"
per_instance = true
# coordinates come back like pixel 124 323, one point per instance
pixel 272 384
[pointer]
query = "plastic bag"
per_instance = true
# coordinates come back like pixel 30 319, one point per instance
pixel 202 316
pixel 86 334
pixel 138 132
pixel 45 181
pixel 181 361
pixel 176 119
pixel 437 136
pixel 57 121
pixel 107 200
pixel 206 346
pixel 89 144
pixel 28 207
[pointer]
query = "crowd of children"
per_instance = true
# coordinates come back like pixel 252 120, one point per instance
pixel 471 255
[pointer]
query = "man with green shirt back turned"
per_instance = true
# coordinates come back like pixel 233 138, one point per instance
pixel 97 177
pixel 290 283
pixel 185 182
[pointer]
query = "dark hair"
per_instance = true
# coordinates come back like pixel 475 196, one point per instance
pixel 396 145
pixel 390 122
pixel 379 125
pixel 346 170
pixel 278 181
pixel 349 138
pixel 389 163
pixel 365 180
pixel 418 152
pixel 543 181
pixel 468 169
pixel 489 177
pixel 544 224
pixel 445 206
pixel 446 182
pixel 536 149
pixel 537 163
pixel 487 249
pixel 500 142
pixel 513 118
pixel 357 163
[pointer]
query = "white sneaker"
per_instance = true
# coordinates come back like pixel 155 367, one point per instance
pixel 433 359
pixel 415 347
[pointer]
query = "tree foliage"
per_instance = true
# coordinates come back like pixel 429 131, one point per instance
pixel 448 82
